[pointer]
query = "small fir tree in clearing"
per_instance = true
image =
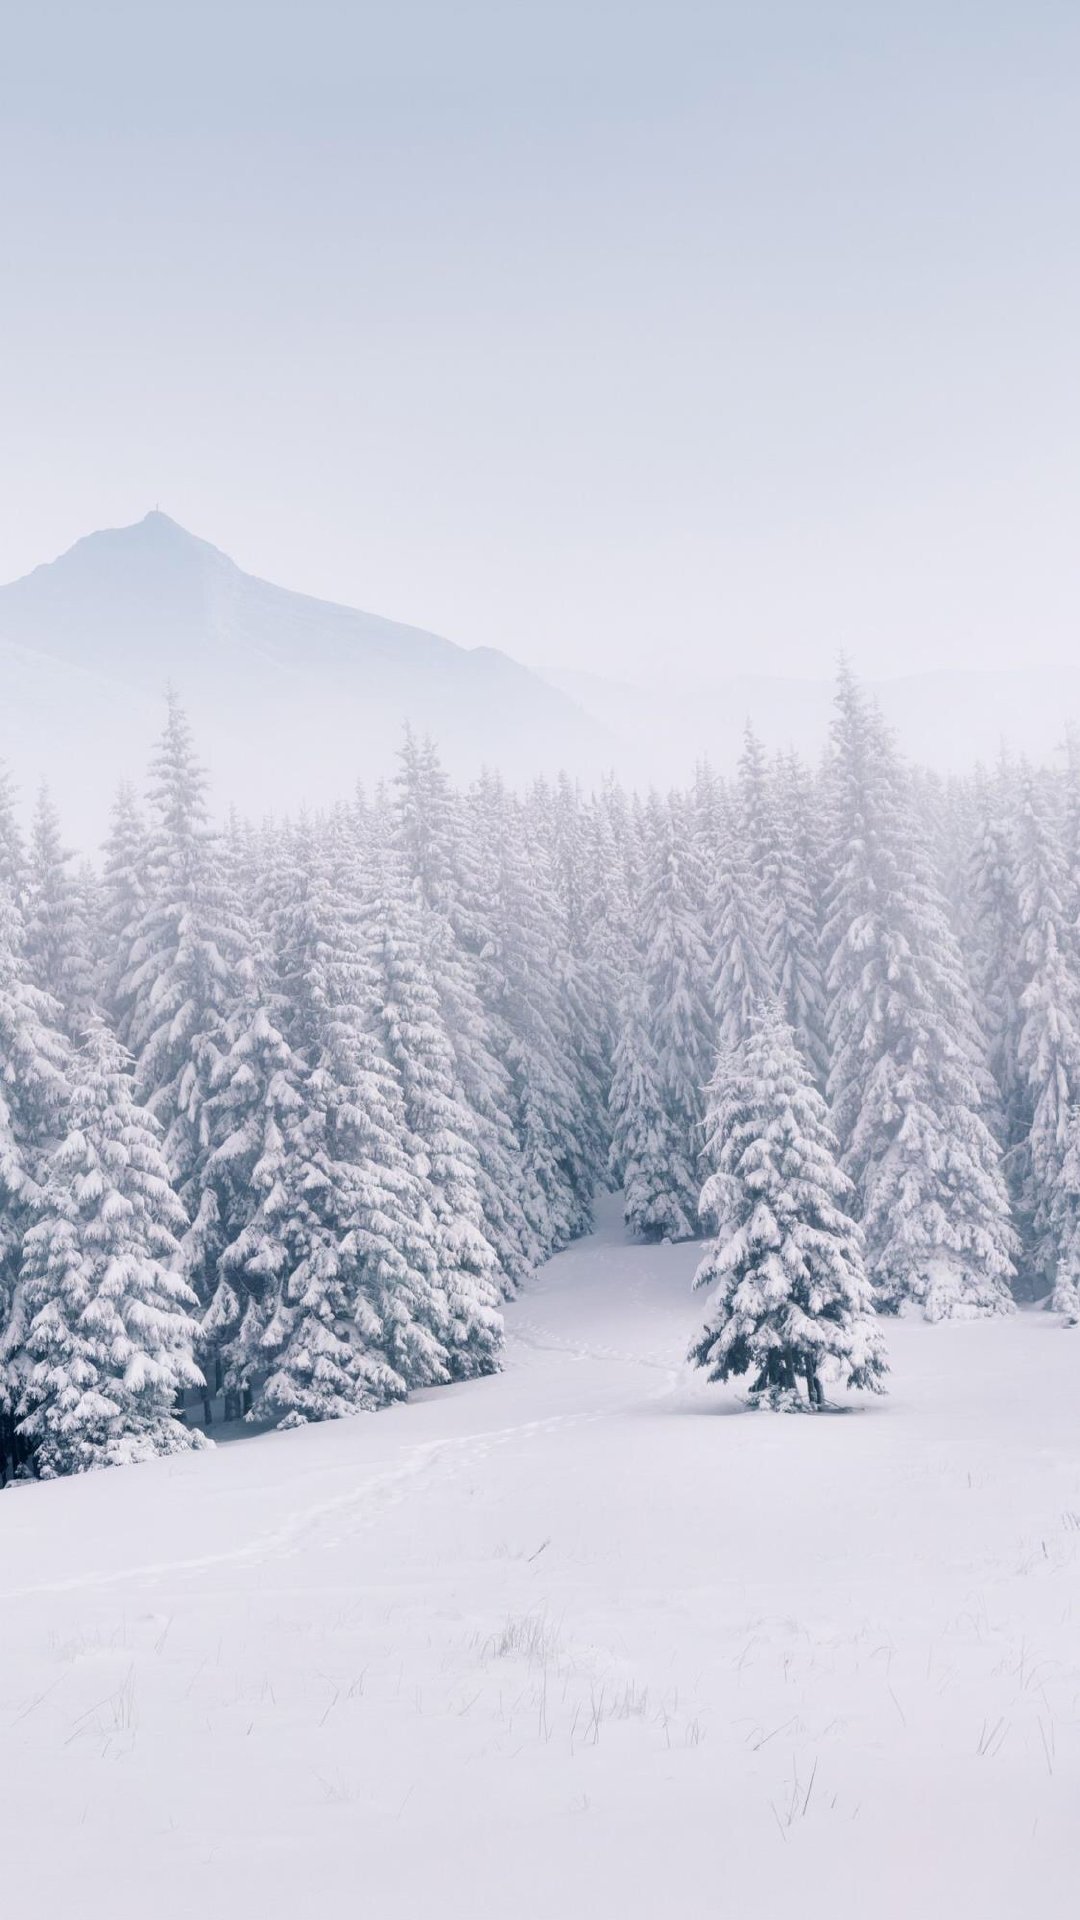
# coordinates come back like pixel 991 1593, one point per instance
pixel 110 1334
pixel 647 1152
pixel 793 1302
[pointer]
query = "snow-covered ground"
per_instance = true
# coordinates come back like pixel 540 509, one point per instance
pixel 584 1639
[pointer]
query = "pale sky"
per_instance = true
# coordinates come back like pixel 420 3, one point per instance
pixel 661 337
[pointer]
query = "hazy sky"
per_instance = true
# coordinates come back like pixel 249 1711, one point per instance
pixel 640 337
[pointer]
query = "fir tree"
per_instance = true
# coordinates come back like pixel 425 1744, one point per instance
pixel 1065 1214
pixel 1048 1045
pixel 994 948
pixel 416 1045
pixel 57 940
pixel 793 1306
pixel 907 1084
pixel 527 1022
pixel 648 1153
pixel 742 978
pixel 793 889
pixel 109 1326
pixel 34 1093
pixel 340 1263
pixel 182 978
pixel 442 869
pixel 121 905
pixel 12 850
pixel 676 961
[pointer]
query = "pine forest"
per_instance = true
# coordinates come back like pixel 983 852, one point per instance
pixel 289 1109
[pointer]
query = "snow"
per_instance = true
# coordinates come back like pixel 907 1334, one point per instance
pixel 582 1638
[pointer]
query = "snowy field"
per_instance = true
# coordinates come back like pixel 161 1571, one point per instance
pixel 583 1639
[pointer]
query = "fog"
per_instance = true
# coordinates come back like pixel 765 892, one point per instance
pixel 639 341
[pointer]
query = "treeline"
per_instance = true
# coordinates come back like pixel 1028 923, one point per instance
pixel 292 1108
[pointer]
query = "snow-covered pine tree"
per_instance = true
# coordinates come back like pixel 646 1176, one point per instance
pixel 430 835
pixel 121 904
pixel 908 1083
pixel 414 1039
pixel 577 982
pixel 755 811
pixel 57 937
pixel 12 850
pixel 993 917
pixel 648 1153
pixel 182 979
pixel 681 1018
pixel 705 812
pixel 344 1305
pixel 1065 1224
pixel 109 1332
pixel 608 923
pixel 742 980
pixel 792 879
pixel 793 1305
pixel 34 1094
pixel 1048 1045
pixel 527 1023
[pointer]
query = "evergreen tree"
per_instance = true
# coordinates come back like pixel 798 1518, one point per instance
pixel 338 1269
pixel 1048 1046
pixel 109 1328
pixel 57 939
pixel 34 1094
pixel 414 1040
pixel 429 835
pixel 907 1083
pixel 682 1023
pixel 182 978
pixel 793 890
pixel 994 947
pixel 529 1030
pixel 742 978
pixel 608 921
pixel 121 905
pixel 648 1153
pixel 793 1305
pixel 12 850
pixel 578 984
pixel 1065 1297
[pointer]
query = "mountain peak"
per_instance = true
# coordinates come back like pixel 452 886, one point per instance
pixel 155 532
pixel 157 522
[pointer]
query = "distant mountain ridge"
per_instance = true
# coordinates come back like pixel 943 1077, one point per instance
pixel 293 699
